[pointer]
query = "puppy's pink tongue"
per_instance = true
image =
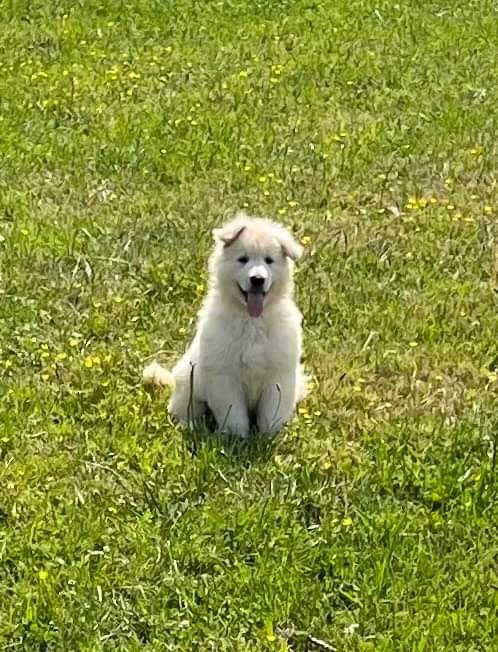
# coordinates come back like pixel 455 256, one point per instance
pixel 255 303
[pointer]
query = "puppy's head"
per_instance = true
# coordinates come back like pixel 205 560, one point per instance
pixel 252 262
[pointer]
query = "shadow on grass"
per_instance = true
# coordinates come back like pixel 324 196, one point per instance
pixel 256 447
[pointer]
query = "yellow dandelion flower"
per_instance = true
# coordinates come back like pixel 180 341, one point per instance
pixel 262 179
pixel 488 210
pixel 43 575
pixel 305 240
pixel 88 362
pixel 44 377
pixel 73 342
pixel 61 356
pixel 347 522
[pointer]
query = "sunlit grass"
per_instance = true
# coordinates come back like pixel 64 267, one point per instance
pixel 126 133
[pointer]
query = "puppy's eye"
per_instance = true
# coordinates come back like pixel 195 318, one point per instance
pixel 243 259
pixel 269 260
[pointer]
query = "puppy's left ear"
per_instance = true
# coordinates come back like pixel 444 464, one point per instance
pixel 290 247
pixel 229 233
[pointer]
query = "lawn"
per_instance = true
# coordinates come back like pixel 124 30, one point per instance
pixel 127 132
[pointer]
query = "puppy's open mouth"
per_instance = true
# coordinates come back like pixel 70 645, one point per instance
pixel 254 301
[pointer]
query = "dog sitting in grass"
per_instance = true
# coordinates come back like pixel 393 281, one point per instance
pixel 244 362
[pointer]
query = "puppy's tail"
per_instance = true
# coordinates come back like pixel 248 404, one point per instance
pixel 154 374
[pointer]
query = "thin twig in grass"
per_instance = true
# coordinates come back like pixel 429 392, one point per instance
pixel 291 635
pixel 190 406
pixel 366 344
pixel 222 428
pixel 341 378
pixel 275 421
pixel 104 467
pixel 323 645
pixel 112 259
pixel 150 497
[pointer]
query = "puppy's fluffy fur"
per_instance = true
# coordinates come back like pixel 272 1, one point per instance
pixel 244 361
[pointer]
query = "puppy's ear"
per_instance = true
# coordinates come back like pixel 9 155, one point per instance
pixel 228 233
pixel 290 247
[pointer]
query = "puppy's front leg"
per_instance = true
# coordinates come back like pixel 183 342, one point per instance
pixel 226 402
pixel 277 404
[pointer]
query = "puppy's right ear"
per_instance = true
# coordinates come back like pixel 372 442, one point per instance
pixel 229 233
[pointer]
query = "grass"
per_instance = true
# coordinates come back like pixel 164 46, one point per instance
pixel 127 131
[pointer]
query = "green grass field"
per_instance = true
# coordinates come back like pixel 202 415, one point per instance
pixel 127 132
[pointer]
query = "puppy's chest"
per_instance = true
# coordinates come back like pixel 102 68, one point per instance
pixel 254 350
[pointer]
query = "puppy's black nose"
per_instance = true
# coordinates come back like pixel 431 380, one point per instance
pixel 257 281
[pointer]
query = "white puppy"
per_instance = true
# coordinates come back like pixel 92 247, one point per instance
pixel 244 361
